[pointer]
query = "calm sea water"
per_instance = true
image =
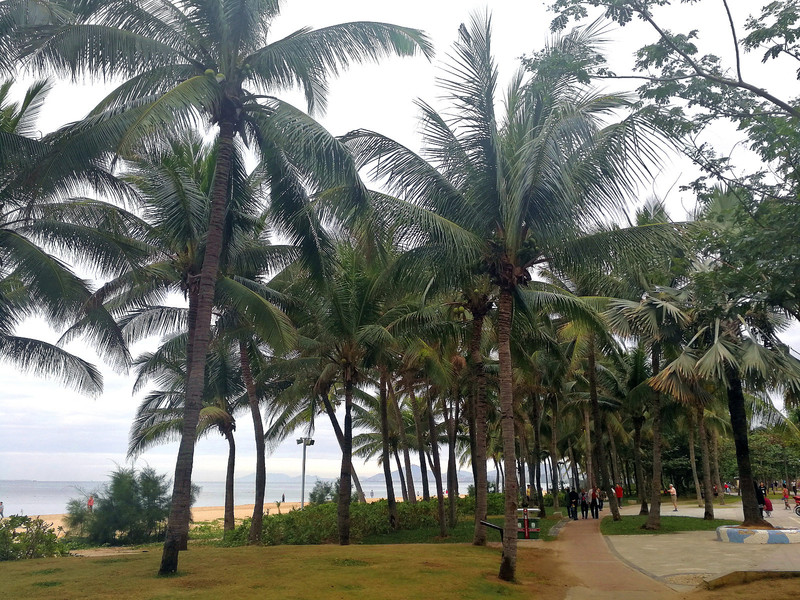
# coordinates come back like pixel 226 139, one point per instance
pixel 51 497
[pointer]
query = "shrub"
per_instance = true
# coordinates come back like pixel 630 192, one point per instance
pixel 26 537
pixel 317 524
pixel 131 510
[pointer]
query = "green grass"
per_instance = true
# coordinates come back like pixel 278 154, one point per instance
pixel 324 572
pixel 632 525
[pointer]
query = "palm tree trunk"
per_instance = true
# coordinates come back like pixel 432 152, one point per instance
pixel 343 512
pixel 452 475
pixel 229 522
pixel 616 472
pixel 387 466
pixel 423 467
pixel 437 469
pixel 536 458
pixel 403 488
pixel 693 459
pixel 641 491
pixel 402 441
pixel 715 464
pixel 337 430
pixel 556 476
pixel 257 523
pixel 598 432
pixel 752 515
pixel 479 400
pixel 179 515
pixel 708 514
pixel 508 563
pixel 654 518
pixel 587 428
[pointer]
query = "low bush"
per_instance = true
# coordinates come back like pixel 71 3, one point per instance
pixel 26 537
pixel 318 524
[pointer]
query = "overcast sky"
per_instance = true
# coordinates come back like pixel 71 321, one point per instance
pixel 50 433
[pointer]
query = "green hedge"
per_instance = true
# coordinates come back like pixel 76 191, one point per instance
pixel 317 524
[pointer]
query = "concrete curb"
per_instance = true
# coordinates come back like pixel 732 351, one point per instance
pixel 737 535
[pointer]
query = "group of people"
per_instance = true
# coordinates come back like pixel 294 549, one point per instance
pixel 587 501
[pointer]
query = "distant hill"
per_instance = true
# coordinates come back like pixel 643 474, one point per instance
pixel 417 473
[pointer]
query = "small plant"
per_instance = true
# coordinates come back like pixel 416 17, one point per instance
pixel 278 506
pixel 26 537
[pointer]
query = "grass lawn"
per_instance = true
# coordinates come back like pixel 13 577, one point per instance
pixel 289 573
pixel 632 525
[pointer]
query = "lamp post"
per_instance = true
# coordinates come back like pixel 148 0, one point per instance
pixel 306 441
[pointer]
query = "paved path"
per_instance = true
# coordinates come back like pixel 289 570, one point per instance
pixel 663 567
pixel 603 575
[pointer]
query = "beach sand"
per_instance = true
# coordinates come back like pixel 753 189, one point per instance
pixel 201 514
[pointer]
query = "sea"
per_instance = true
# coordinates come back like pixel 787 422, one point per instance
pixel 25 497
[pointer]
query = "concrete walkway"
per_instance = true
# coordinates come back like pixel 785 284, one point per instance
pixel 603 575
pixel 684 560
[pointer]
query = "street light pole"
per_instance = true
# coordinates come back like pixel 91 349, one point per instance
pixel 306 441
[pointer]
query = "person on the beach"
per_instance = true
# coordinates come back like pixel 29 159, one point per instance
pixel 673 495
pixel 90 503
pixel 1 510
pixel 283 499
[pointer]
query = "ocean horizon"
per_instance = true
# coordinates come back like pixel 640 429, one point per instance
pixel 32 498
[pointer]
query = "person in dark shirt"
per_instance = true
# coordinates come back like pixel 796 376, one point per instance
pixel 572 497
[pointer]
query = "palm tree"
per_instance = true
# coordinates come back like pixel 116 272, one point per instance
pixel 524 185
pixel 208 62
pixel 159 418
pixel 43 222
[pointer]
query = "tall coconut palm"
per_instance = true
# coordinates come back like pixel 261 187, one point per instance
pixel 525 184
pixel 43 222
pixel 208 62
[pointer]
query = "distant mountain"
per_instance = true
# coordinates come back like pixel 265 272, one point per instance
pixel 417 473
pixel 274 477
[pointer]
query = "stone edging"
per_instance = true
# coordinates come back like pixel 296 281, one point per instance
pixel 737 535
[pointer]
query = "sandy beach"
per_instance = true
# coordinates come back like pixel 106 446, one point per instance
pixel 202 514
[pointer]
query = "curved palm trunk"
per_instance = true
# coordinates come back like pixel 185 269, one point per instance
pixel 337 430
pixel 536 459
pixel 693 460
pixel 423 465
pixel 229 522
pixel 452 475
pixel 479 400
pixel 556 476
pixel 752 516
pixel 178 522
pixel 257 522
pixel 715 465
pixel 437 469
pixel 387 466
pixel 508 563
pixel 403 442
pixel 641 491
pixel 343 512
pixel 599 452
pixel 708 514
pixel 400 475
pixel 654 518
pixel 587 428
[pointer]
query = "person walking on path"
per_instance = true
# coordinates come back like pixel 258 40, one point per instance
pixel 760 497
pixel 618 492
pixel 594 504
pixel 786 498
pixel 572 496
pixel 584 505
pixel 673 495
